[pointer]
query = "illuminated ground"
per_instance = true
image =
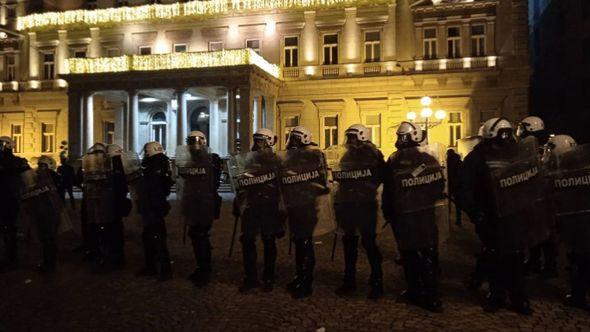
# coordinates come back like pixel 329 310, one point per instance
pixel 76 298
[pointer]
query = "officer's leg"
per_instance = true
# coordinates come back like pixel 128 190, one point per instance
pixel 199 235
pixel 496 270
pixel 270 258
pixel 411 265
pixel 149 250
pixel 350 244
pixel 534 263
pixel 72 199
pixel 83 247
pixel 429 276
pixel 8 230
pixel 249 257
pixel 305 250
pixel 549 248
pixel 577 295
pixel 117 242
pixel 162 258
pixel 517 284
pixel 369 241
pixel 47 232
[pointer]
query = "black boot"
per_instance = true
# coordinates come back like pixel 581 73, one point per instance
pixel 250 270
pixel 149 252
pixel 411 294
pixel 202 250
pixel 549 270
pixel 375 259
pixel 429 276
pixel 270 258
pixel 304 287
pixel 577 296
pixel 496 298
pixel 163 266
pixel 350 244
pixel 49 257
pixel 299 258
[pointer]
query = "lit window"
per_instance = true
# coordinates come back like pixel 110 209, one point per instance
pixel 290 123
pixel 48 66
pixel 16 132
pixel 478 40
pixel 145 50
pixel 454 42
pixel 47 137
pixel 10 67
pixel 330 49
pixel 109 132
pixel 373 123
pixel 291 51
pixel 180 48
pixel 254 44
pixel 158 132
pixel 113 51
pixel 455 129
pixel 215 46
pixel 330 131
pixel 372 46
pixel 430 43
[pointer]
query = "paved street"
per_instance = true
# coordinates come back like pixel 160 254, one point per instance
pixel 77 298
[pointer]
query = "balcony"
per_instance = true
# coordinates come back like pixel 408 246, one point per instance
pixel 331 71
pixel 455 64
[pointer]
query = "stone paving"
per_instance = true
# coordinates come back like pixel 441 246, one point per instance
pixel 77 298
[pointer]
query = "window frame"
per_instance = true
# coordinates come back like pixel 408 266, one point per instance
pixel 11 71
pixel 290 49
pixel 179 44
pixel 455 53
pixel 139 48
pixel 478 42
pixel 109 49
pixel 432 43
pixel 287 129
pixel 160 124
pixel 373 127
pixel 17 138
pixel 108 135
pixel 217 42
pixel 47 138
pixel 331 46
pixel 334 130
pixel 455 128
pixel 48 66
pixel 372 44
pixel 257 50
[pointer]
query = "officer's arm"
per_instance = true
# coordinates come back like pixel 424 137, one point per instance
pixel 467 185
pixel 387 197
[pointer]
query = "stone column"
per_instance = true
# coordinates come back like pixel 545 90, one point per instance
pixel 246 106
pixel 491 38
pixel 88 105
pixel 75 125
pixel 132 117
pixel 33 57
pixel 441 40
pixel 419 40
pixel 94 48
pixel 465 40
pixel 352 52
pixel 181 116
pixel 404 31
pixel 270 113
pixel 214 124
pixel 309 41
pixel 389 37
pixel 62 52
pixel 231 119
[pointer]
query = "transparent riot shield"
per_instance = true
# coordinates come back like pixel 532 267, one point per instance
pixel 467 144
pixel 98 187
pixel 570 176
pixel 195 184
pixel 133 173
pixel 39 198
pixel 304 186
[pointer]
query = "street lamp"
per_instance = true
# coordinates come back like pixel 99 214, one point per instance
pixel 426 115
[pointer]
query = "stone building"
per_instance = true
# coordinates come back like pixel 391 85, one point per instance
pixel 128 72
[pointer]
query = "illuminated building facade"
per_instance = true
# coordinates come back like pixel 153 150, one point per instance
pixel 128 72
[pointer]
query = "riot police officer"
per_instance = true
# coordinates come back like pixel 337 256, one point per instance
pixel 498 207
pixel 199 172
pixel 303 180
pixel 568 167
pixel 358 174
pixel 542 257
pixel 153 188
pixel 414 182
pixel 10 167
pixel 257 205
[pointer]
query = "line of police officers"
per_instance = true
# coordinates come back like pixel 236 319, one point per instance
pixel 511 193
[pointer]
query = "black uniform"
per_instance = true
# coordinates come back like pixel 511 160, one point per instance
pixel 68 179
pixel 409 200
pixel 453 172
pixel 358 175
pixel 504 235
pixel 257 205
pixel 10 168
pixel 153 207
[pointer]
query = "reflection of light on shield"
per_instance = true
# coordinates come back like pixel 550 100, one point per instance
pixel 326 219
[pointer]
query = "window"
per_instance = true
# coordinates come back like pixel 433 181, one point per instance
pixel 48 66
pixel 11 11
pixel 16 132
pixel 478 40
pixel 330 49
pixel 454 128
pixel 291 51
pixel 373 123
pixel 253 44
pixel 79 54
pixel 179 48
pixel 145 50
pixel 121 3
pixel 91 4
pixel 10 67
pixel 430 43
pixel 454 42
pixel 290 123
pixel 113 51
pixel 372 46
pixel 47 137
pixel 109 132
pixel 158 132
pixel 215 46
pixel 330 131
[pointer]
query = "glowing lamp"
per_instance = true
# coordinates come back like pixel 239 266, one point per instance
pixel 426 112
pixel 440 114
pixel 411 116
pixel 425 101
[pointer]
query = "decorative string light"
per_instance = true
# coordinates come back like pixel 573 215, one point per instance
pixel 155 62
pixel 190 9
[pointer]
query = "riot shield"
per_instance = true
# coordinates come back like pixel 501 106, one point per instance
pixel 570 177
pixel 98 187
pixel 355 174
pixel 133 173
pixel 467 144
pixel 304 185
pixel 39 198
pixel 195 184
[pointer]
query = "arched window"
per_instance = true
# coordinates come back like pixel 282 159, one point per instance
pixel 158 132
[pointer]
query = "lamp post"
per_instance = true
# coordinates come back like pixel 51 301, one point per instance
pixel 425 115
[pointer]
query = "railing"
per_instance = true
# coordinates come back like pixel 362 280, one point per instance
pixel 455 64
pixel 291 72
pixel 331 71
pixel 372 68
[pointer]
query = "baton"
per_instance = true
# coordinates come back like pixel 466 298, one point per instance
pixel 233 237
pixel 334 243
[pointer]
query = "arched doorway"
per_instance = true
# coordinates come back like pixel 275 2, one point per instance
pixel 199 120
pixel 158 128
